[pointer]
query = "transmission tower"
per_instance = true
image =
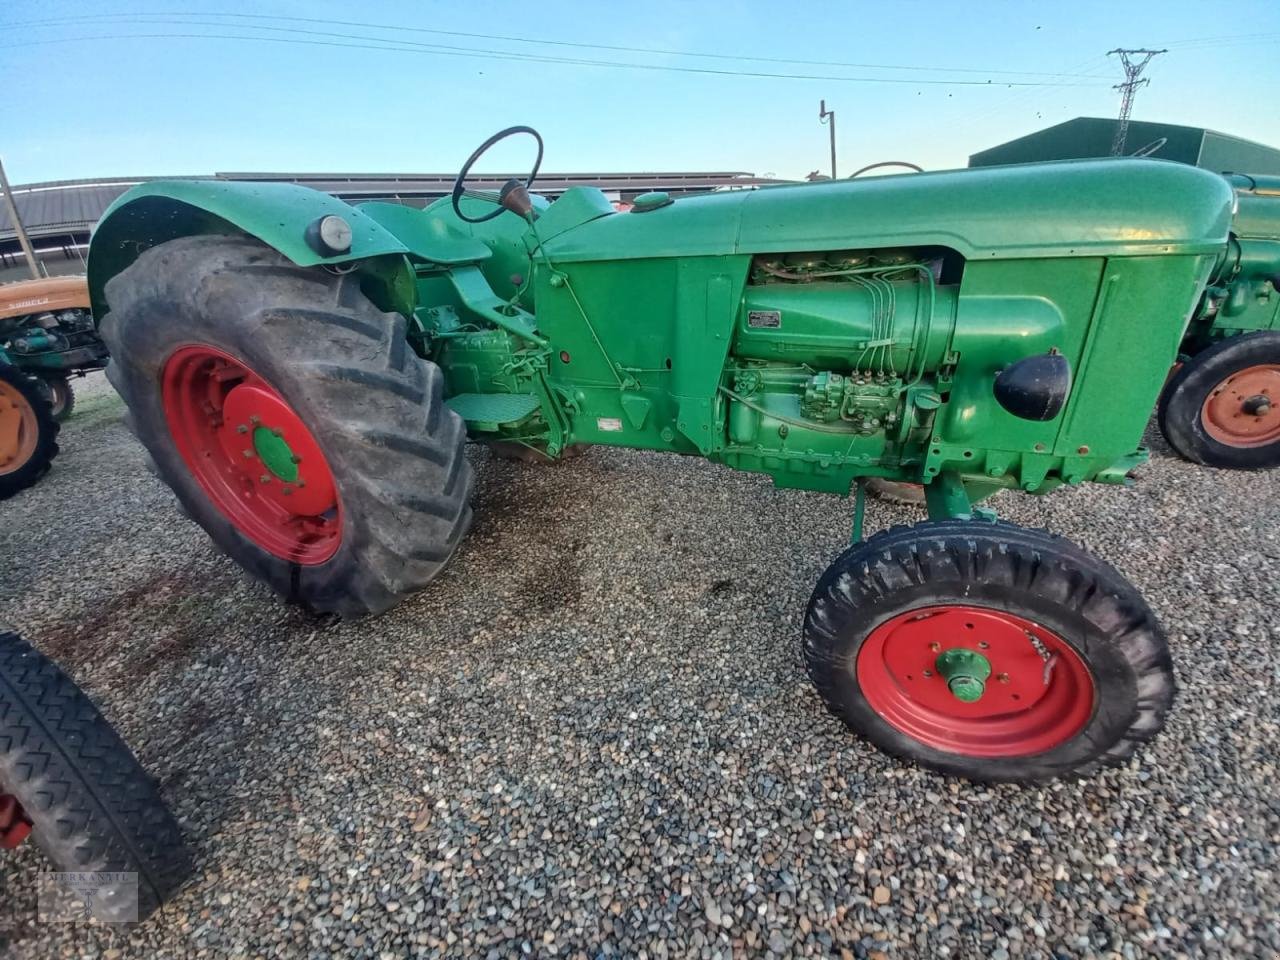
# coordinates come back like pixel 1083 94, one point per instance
pixel 1132 71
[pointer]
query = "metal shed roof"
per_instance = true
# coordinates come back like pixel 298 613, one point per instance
pixel 1091 137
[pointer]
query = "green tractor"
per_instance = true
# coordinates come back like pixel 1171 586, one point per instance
pixel 305 374
pixel 1221 406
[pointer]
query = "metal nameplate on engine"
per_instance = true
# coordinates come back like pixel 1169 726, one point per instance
pixel 769 319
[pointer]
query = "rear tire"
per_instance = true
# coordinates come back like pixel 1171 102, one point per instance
pixel 28 432
pixel 1059 626
pixel 1196 411
pixel 90 805
pixel 345 371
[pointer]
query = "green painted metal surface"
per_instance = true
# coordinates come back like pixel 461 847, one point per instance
pixel 966 672
pixel 816 333
pixel 1243 295
pixel 276 213
pixel 275 453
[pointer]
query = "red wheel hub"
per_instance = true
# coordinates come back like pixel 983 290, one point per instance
pixel 1037 695
pixel 1241 411
pixel 252 455
pixel 14 825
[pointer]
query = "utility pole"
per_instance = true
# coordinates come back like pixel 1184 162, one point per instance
pixel 829 117
pixel 1132 71
pixel 17 226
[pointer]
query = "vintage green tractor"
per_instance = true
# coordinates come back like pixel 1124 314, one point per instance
pixel 1221 406
pixel 305 373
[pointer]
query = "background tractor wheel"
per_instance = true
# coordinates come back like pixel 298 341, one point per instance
pixel 895 491
pixel 68 782
pixel 28 432
pixel 514 450
pixel 292 420
pixel 988 651
pixel 61 397
pixel 1222 407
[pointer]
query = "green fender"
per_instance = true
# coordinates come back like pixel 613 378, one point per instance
pixel 278 214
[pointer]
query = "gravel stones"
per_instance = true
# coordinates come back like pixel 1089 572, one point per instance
pixel 593 737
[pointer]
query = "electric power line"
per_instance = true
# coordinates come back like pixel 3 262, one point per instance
pixel 165 18
pixel 407 46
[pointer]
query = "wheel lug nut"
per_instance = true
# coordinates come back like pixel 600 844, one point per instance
pixel 983 645
pixel 1003 678
pixel 248 454
pixel 265 478
pixel 935 646
pixel 254 420
pixel 926 673
pixel 286 490
pixel 242 429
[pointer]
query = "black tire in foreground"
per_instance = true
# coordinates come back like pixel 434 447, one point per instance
pixel 988 651
pixel 340 368
pixel 91 806
pixel 1218 408
pixel 28 432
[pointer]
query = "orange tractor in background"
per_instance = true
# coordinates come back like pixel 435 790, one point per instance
pixel 47 336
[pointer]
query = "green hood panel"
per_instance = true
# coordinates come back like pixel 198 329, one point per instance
pixel 1075 208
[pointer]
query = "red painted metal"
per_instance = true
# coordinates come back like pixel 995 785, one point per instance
pixel 1226 414
pixel 1030 704
pixel 214 403
pixel 14 824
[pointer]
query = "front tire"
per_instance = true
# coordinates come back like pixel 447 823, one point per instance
pixel 28 432
pixel 70 783
pixel 62 398
pixel 1222 407
pixel 292 420
pixel 988 651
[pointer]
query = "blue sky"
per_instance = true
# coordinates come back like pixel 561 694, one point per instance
pixel 140 106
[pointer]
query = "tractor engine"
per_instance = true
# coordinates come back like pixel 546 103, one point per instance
pixel 843 348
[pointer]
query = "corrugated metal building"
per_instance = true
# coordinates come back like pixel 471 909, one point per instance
pixel 1091 137
pixel 59 215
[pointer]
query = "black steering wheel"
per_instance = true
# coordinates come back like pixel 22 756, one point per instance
pixel 459 185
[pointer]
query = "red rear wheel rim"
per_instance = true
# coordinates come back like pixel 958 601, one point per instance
pixel 15 826
pixel 252 455
pixel 1240 411
pixel 1018 714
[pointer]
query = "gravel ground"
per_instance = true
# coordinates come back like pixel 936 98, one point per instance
pixel 594 736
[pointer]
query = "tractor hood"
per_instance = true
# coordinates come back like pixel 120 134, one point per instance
pixel 43 296
pixel 1074 208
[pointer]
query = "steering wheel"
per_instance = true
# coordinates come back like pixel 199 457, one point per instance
pixel 459 185
pixel 886 163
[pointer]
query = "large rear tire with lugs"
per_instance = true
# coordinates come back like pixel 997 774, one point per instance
pixel 28 431
pixel 292 420
pixel 988 651
pixel 69 783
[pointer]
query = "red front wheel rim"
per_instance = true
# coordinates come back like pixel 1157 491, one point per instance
pixel 1038 693
pixel 252 455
